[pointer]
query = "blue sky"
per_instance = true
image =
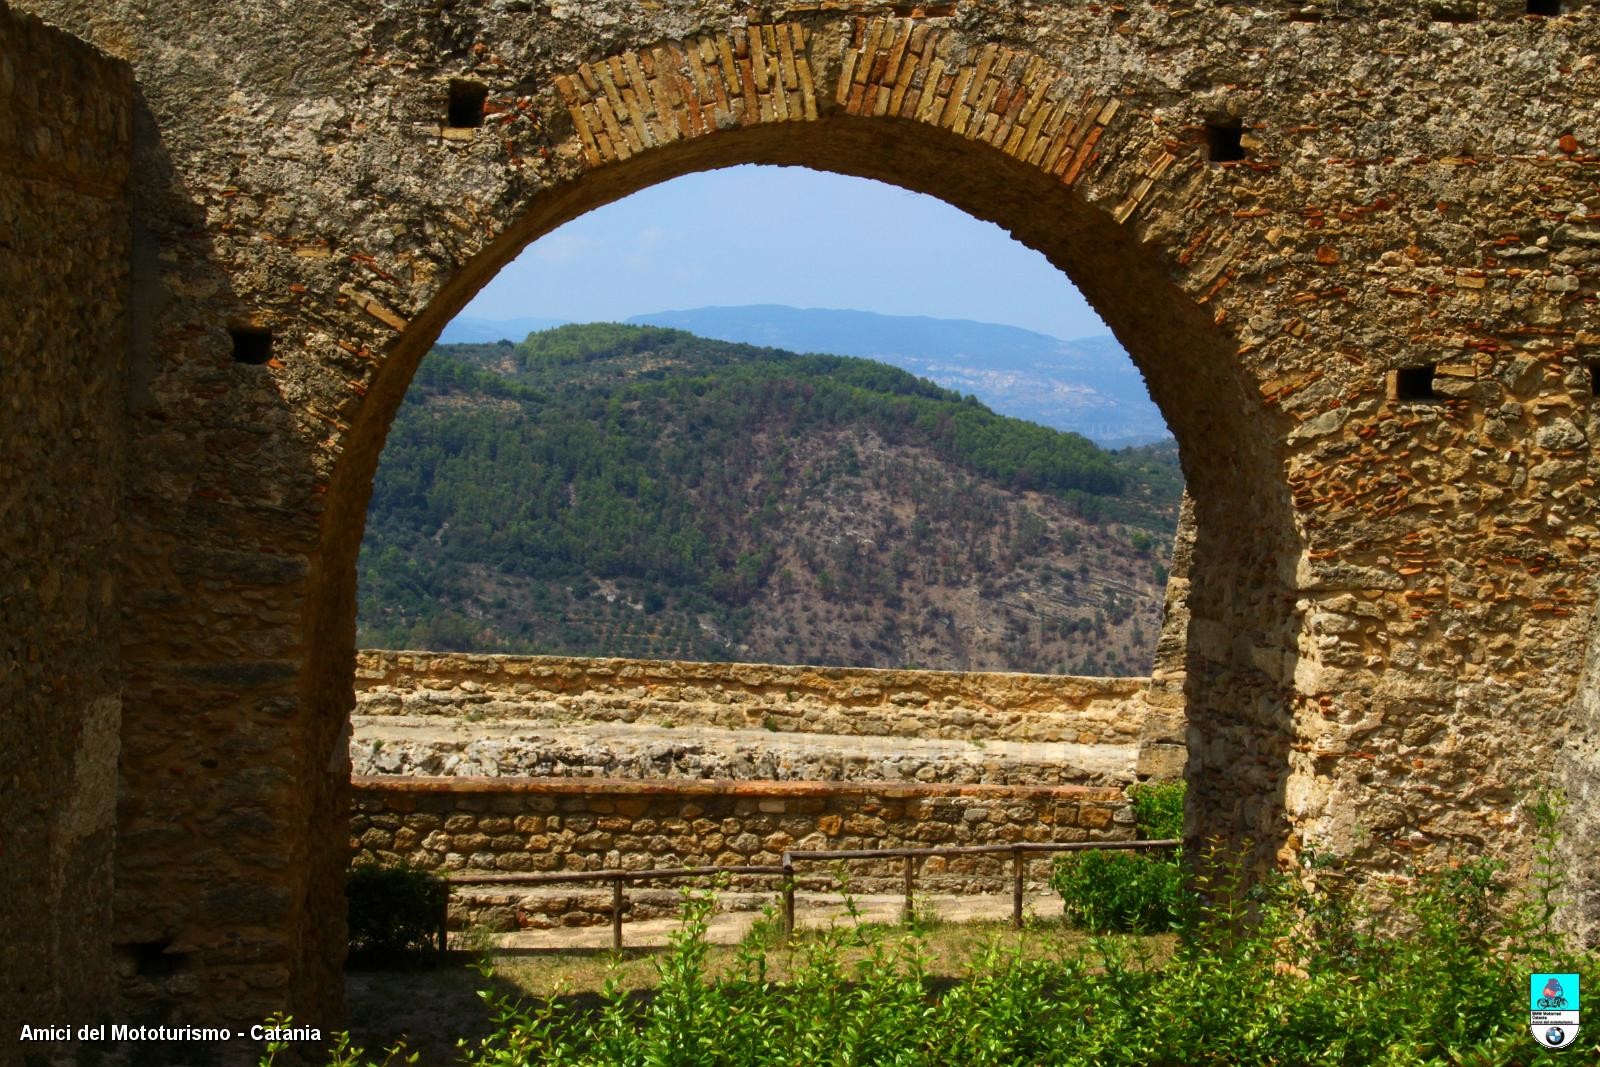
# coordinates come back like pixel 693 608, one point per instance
pixel 785 235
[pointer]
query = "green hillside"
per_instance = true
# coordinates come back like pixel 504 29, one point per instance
pixel 620 490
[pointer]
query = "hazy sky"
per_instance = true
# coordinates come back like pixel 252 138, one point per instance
pixel 785 235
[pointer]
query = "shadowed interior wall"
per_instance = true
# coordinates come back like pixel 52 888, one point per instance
pixel 65 122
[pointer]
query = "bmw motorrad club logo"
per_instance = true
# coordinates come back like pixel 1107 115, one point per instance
pixel 1553 1009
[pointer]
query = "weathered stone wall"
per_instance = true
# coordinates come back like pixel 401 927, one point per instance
pixel 1164 732
pixel 1577 787
pixel 65 117
pixel 423 713
pixel 465 826
pixel 842 701
pixel 1392 586
pixel 521 750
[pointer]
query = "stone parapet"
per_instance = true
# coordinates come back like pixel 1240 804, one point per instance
pixel 431 747
pixel 845 701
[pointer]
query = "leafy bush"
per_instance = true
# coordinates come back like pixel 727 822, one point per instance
pixel 1158 809
pixel 1129 891
pixel 393 910
pixel 1119 891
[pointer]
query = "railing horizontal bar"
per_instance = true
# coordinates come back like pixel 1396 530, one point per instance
pixel 977 850
pixel 617 875
pixel 549 877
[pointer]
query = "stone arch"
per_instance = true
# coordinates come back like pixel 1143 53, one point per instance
pixel 1010 139
pixel 1392 585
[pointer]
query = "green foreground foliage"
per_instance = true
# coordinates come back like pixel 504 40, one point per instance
pixel 1295 971
pixel 1129 892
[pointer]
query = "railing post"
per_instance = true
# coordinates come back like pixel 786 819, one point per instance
pixel 616 915
pixel 788 897
pixel 1016 887
pixel 909 912
pixel 444 918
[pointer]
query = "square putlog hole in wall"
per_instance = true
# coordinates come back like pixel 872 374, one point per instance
pixel 1414 383
pixel 251 344
pixel 1547 8
pixel 1593 367
pixel 466 104
pixel 1224 141
pixel 151 959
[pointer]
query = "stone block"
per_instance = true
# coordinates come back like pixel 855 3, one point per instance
pixel 1095 816
pixel 376 839
pixel 635 807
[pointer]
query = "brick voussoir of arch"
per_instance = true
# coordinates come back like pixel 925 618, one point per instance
pixel 888 68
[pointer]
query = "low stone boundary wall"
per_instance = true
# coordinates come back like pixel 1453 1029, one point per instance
pixel 463 825
pixel 964 705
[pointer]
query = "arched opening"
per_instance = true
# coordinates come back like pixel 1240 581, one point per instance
pixel 733 504
pixel 535 496
pixel 1241 652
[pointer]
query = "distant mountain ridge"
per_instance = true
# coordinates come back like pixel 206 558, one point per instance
pixel 1087 386
pixel 470 330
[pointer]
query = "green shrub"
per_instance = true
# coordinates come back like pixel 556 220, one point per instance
pixel 1158 809
pixel 393 910
pixel 1128 891
pixel 1106 892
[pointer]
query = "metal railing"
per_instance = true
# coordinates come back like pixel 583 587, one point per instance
pixel 786 870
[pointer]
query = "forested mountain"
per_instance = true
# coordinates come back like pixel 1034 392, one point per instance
pixel 639 491
pixel 1087 385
